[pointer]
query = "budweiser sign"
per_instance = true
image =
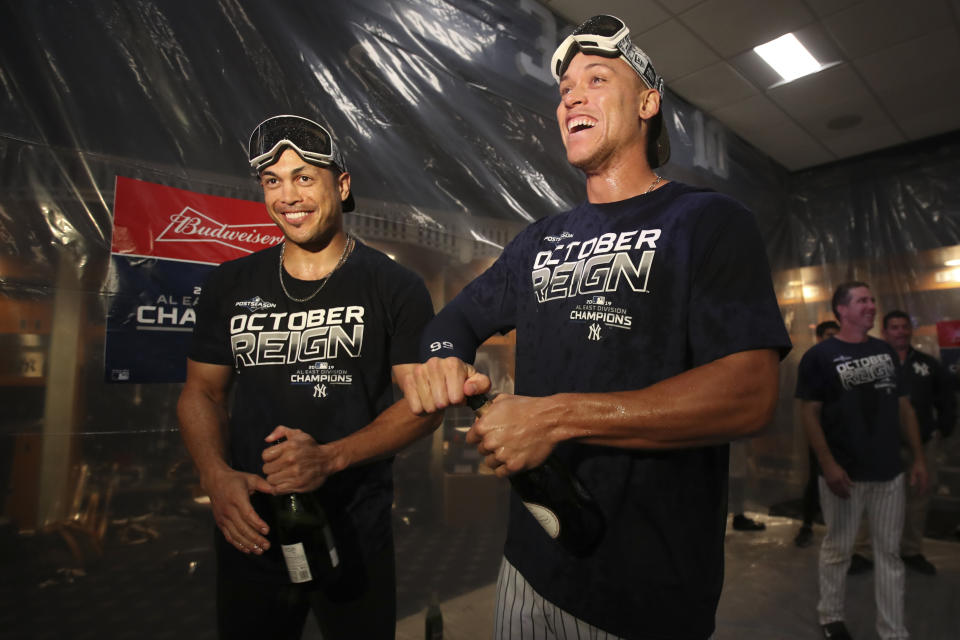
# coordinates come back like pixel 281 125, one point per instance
pixel 191 225
pixel 152 220
pixel 948 333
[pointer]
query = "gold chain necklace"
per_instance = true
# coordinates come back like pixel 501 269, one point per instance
pixel 347 248
pixel 653 184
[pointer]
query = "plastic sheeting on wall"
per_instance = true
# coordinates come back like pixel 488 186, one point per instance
pixel 445 111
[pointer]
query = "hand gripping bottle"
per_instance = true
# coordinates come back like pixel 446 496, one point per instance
pixel 556 498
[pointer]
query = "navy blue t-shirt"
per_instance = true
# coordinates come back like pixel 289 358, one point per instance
pixel 932 393
pixel 859 384
pixel 619 296
pixel 322 366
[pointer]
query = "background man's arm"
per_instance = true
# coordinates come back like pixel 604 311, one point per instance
pixel 202 410
pixel 945 400
pixel 300 464
pixel 911 433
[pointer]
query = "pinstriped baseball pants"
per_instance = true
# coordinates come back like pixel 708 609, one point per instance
pixel 523 614
pixel 883 503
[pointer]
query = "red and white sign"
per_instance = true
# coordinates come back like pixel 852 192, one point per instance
pixel 151 220
pixel 948 333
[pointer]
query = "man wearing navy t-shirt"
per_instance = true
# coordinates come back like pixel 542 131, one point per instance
pixel 289 390
pixel 855 410
pixel 932 398
pixel 647 337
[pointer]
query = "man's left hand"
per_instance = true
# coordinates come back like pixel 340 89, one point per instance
pixel 513 435
pixel 297 464
pixel 918 477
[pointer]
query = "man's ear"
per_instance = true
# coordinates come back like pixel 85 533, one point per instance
pixel 343 184
pixel 649 103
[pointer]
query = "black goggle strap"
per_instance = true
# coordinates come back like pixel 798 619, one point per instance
pixel 640 62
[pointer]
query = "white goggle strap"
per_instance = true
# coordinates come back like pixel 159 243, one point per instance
pixel 331 158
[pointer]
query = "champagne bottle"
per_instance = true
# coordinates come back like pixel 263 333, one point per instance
pixel 309 550
pixel 556 498
pixel 433 623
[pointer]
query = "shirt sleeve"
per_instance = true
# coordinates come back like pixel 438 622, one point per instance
pixel 733 306
pixel 809 379
pixel 210 342
pixel 411 310
pixel 485 306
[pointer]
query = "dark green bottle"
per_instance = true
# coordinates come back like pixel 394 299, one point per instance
pixel 306 540
pixel 433 629
pixel 557 499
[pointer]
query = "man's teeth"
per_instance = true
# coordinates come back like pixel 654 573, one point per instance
pixel 580 123
pixel 295 215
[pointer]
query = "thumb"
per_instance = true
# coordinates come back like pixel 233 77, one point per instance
pixel 256 483
pixel 278 433
pixel 476 383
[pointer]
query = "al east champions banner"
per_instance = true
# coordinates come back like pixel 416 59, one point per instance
pixel 165 243
pixel 948 335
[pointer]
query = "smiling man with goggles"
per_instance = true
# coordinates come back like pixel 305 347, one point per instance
pixel 309 140
pixel 608 36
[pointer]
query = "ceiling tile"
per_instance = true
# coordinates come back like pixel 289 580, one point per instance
pixel 874 24
pixel 863 139
pixel 754 118
pixel 930 114
pixel 826 7
pixel 912 64
pixel 816 99
pixel 638 14
pixel 678 6
pixel 713 87
pixel 675 51
pixel 793 147
pixel 733 26
pixel 930 123
pixel 917 82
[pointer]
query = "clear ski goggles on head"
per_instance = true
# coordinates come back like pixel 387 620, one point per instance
pixel 311 141
pixel 607 36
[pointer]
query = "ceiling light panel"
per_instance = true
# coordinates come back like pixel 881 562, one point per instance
pixel 788 57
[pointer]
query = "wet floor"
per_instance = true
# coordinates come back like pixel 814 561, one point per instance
pixel 155 581
pixel 770 593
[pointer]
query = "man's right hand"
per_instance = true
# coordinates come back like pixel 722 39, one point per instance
pixel 441 382
pixel 230 493
pixel 837 480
